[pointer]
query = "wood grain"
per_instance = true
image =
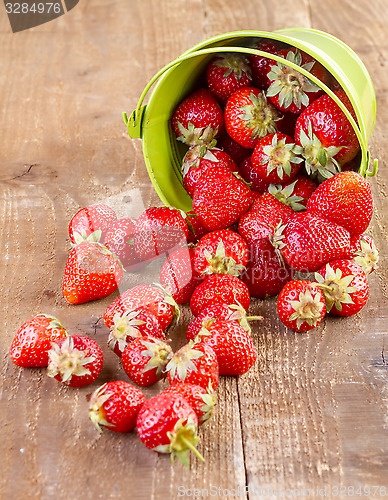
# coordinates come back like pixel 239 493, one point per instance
pixel 312 413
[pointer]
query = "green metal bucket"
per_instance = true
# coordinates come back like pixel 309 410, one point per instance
pixel 151 122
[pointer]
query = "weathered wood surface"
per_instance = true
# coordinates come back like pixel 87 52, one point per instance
pixel 312 414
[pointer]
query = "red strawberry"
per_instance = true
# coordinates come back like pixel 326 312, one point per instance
pixel 119 240
pixel 92 272
pixel 220 198
pixel 179 274
pixel 91 222
pixel 249 174
pixel 33 340
pixel 325 135
pixel 294 193
pixel 202 401
pixel 233 148
pixel 249 116
pixel 275 158
pixel 154 299
pixel 159 230
pixel 364 252
pixel 261 65
pixel 219 310
pixel 144 360
pixel 75 361
pixel 310 242
pixel 131 325
pixel 227 73
pixel 345 199
pixel 198 111
pixel 289 90
pixel 115 406
pixel 221 252
pixel 344 285
pixel 194 364
pixel 234 347
pixel 192 172
pixel 271 209
pixel 218 288
pixel 168 424
pixel 301 305
pixel 266 273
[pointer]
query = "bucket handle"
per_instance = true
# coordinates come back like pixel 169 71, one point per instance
pixel 134 122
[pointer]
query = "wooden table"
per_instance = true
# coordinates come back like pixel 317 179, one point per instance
pixel 311 416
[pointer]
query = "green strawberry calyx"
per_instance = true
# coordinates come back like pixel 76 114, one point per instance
pixel 182 362
pixel 159 354
pixel 336 287
pixel 81 236
pixel 286 195
pixel 235 64
pixel 124 326
pixel 368 256
pixel 96 411
pixel 290 85
pixel 220 263
pixel 319 160
pixel 209 399
pixel 169 299
pixel 307 309
pixel 195 154
pixel 183 438
pixel 197 136
pixel 278 156
pixel 259 116
pixel 67 361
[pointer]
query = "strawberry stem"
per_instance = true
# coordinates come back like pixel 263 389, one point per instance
pixel 191 447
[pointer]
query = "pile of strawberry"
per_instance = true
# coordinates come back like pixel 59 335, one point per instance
pixel 277 210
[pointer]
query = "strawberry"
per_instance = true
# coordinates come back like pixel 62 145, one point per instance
pixel 179 274
pixel 154 299
pixel 159 230
pixel 271 209
pixel 294 193
pixel 91 223
pixel 115 406
pixel 119 239
pixel 217 288
pixel 92 272
pixel 131 325
pixel 345 199
pixel 275 158
pixel 310 242
pixel 249 116
pixel 261 65
pixel 234 347
pixel 301 305
pixel 198 111
pixel 221 252
pixel 192 172
pixel 194 364
pixel 364 252
pixel 144 360
pixel 233 148
pixel 202 401
pixel 326 136
pixel 227 73
pixel 249 174
pixel 289 90
pixel 168 424
pixel 344 285
pixel 220 198
pixel 33 340
pixel 75 360
pixel 266 273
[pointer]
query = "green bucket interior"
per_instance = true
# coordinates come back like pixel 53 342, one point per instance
pixel 163 153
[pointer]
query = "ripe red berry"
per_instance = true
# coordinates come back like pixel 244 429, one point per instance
pixel 115 406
